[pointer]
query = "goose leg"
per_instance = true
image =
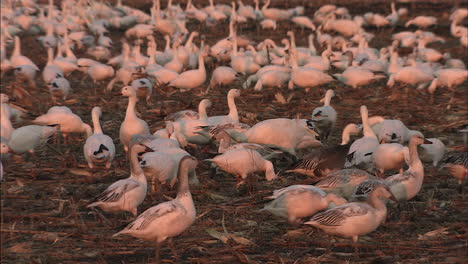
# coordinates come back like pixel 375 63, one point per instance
pixel 156 252
pixel 451 99
pixel 171 246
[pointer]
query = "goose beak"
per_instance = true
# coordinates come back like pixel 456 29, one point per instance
pixel 427 141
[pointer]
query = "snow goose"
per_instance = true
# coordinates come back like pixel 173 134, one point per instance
pixel 411 75
pixel 169 219
pixel 190 114
pixel 457 164
pixel 389 130
pixel 192 78
pixel 276 79
pixel 59 88
pixel 125 194
pixel 242 163
pixel 286 134
pixel 131 125
pixel 404 186
pixel 222 76
pixel 297 201
pixel 390 156
pixel 352 220
pixel 98 148
pixel 432 152
pixel 67 121
pixel 232 116
pixel 6 127
pixel 17 59
pixel 324 117
pixel 162 165
pixel 4 150
pixel 357 76
pixel 306 77
pixel 28 138
pixel 422 21
pixel 323 161
pixel 450 78
pixel 242 63
pixel 51 71
pixel 361 150
pixel 275 13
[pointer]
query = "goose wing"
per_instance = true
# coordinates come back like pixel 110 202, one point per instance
pixel 154 213
pixel 338 215
pixel 116 190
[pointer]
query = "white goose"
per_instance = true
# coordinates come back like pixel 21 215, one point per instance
pixel 233 116
pixel 68 121
pixel 17 59
pixel 167 220
pixel 222 76
pixel 422 21
pixel 297 201
pixel 306 77
pixel 192 78
pixel 99 148
pixel 324 117
pixel 242 163
pixel 406 185
pixel 131 125
pixel 390 156
pixel 287 134
pixel 432 152
pixel 4 149
pixel 125 194
pixel 59 88
pixel 352 220
pixel 450 78
pixel 51 71
pixel 28 138
pixel 360 152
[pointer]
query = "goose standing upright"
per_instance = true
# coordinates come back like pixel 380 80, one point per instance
pixel 233 116
pixel 192 78
pixel 131 125
pixel 167 220
pixel 125 194
pixel 99 148
pixel 360 152
pixel 352 220
pixel 324 117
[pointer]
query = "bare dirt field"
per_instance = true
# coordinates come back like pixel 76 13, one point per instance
pixel 44 218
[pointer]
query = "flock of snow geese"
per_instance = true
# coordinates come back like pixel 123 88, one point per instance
pixel 345 172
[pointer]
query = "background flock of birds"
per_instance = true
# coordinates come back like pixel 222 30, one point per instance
pixel 349 199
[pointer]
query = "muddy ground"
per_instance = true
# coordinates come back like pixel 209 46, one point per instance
pixel 44 218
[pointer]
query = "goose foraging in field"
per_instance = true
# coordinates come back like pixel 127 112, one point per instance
pixel 243 162
pixel 99 148
pixel 28 138
pixel 67 121
pixel 297 201
pixel 352 220
pixel 125 194
pixel 167 220
pixel 325 160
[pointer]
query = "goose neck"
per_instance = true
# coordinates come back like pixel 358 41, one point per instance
pixel 135 169
pixel 345 137
pixel 182 176
pixel 233 114
pixel 131 107
pixel 201 62
pixel 96 124
pixel 17 49
pixel 415 162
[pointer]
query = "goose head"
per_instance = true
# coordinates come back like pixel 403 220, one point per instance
pixel 418 139
pixel 4 148
pixel 234 93
pixel 128 91
pixel 382 192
